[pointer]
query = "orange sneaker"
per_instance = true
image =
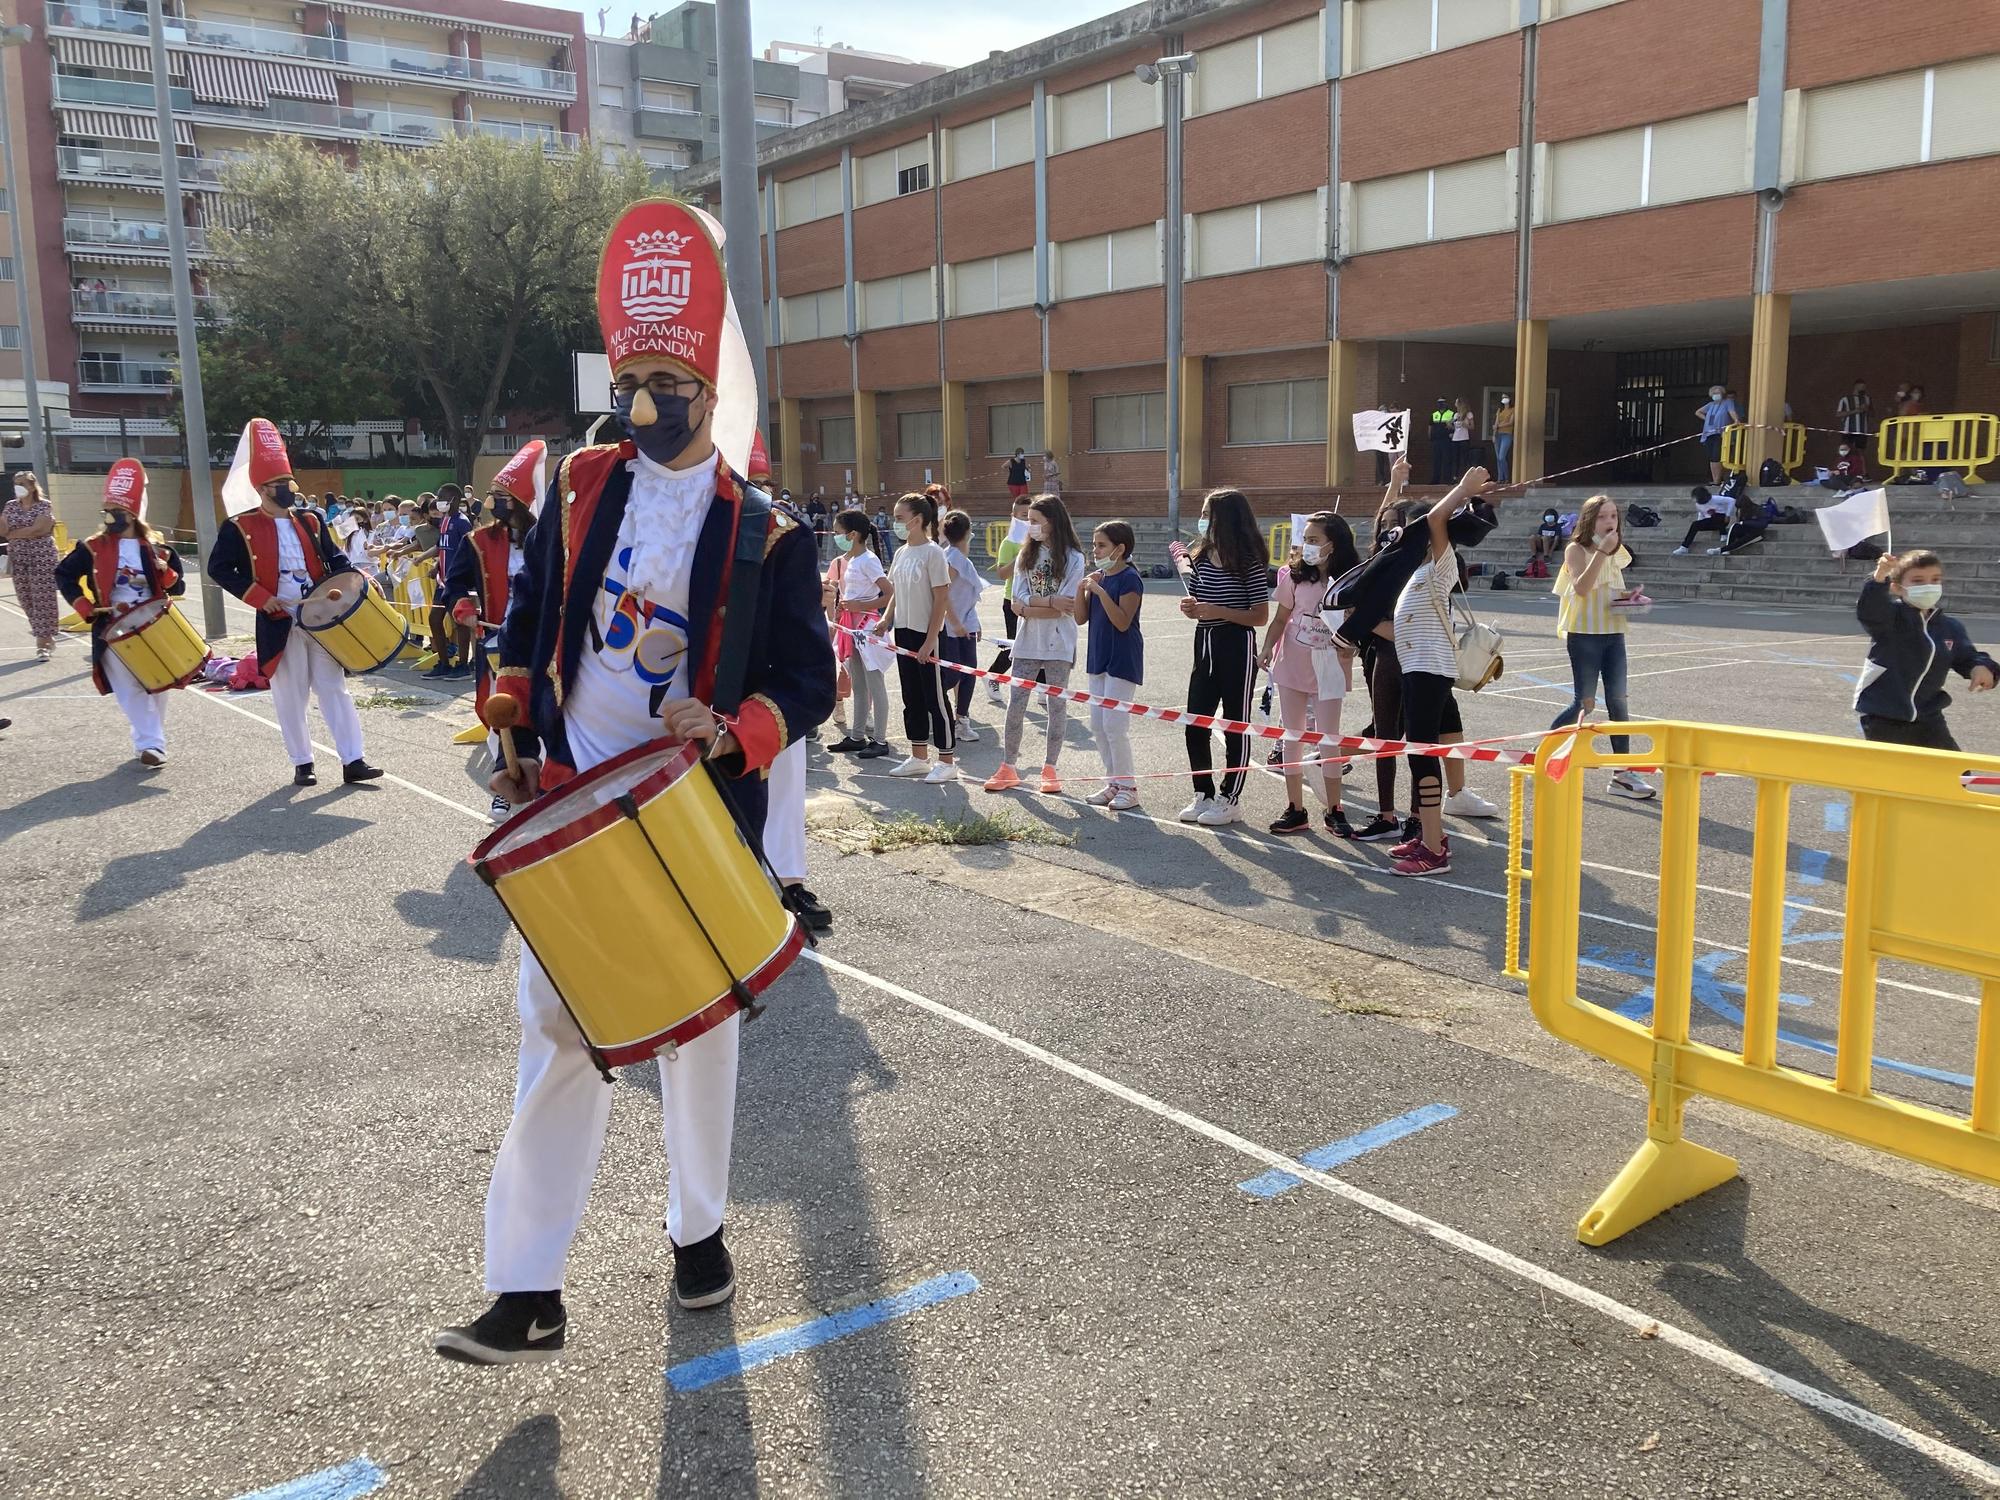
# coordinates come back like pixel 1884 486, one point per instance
pixel 1051 783
pixel 1003 780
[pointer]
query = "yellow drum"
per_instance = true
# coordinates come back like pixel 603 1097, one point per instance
pixel 157 645
pixel 359 628
pixel 651 913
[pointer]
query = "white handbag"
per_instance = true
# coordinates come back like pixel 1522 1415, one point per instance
pixel 1477 647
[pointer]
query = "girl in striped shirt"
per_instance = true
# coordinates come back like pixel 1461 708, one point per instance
pixel 1592 625
pixel 1228 578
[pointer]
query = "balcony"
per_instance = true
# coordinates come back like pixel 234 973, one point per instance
pixel 405 63
pixel 113 167
pixel 135 305
pixel 670 124
pixel 127 236
pixel 124 93
pixel 118 375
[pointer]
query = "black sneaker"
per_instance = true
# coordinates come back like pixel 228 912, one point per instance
pixel 1276 757
pixel 808 908
pixel 520 1328
pixel 847 744
pixel 303 775
pixel 1412 829
pixel 1380 829
pixel 1293 820
pixel 443 668
pixel 359 770
pixel 704 1275
pixel 1337 824
pixel 874 750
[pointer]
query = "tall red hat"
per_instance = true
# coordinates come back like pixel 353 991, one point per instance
pixel 125 487
pixel 758 471
pixel 524 475
pixel 260 458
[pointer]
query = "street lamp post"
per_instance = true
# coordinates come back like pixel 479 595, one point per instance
pixel 38 451
pixel 1168 72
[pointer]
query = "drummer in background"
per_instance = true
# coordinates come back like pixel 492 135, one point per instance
pixel 126 567
pixel 476 580
pixel 612 638
pixel 270 558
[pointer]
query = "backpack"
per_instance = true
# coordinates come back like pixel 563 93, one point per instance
pixel 1642 515
pixel 1501 585
pixel 1538 567
pixel 1735 487
pixel 1767 512
pixel 1771 474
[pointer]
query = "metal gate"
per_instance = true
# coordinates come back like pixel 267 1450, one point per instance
pixel 1658 391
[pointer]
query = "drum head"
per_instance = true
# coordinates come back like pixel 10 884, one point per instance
pixel 573 811
pixel 137 618
pixel 320 609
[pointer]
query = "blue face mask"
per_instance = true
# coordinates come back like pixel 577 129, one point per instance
pixel 1201 527
pixel 667 436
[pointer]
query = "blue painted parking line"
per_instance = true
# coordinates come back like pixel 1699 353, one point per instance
pixel 356 1477
pixel 707 1369
pixel 1834 816
pixel 1339 1153
pixel 1812 865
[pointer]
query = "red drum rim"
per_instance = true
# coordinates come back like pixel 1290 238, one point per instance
pixel 511 848
pixel 714 1013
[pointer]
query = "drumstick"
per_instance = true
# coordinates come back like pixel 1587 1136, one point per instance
pixel 502 713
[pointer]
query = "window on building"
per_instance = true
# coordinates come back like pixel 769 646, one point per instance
pixel 920 434
pixel 1129 424
pixel 893 173
pixel 913 179
pixel 1004 140
pixel 895 300
pixel 1014 424
pixel 1907 119
pixel 836 440
pixel 674 98
pixel 611 95
pixel 667 157
pixel 1390 31
pixel 1115 262
pixel 1699 156
pixel 1281 232
pixel 1103 112
pixel 999 281
pixel 803 199
pixel 1258 67
pixel 10 335
pixel 6 203
pixel 813 315
pixel 1277 411
pixel 6 268
pixel 1440 203
pixel 773 111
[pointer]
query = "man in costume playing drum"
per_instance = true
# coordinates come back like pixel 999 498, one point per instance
pixel 473 593
pixel 270 556
pixel 614 630
pixel 126 568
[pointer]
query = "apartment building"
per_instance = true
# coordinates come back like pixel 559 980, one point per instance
pixel 238 71
pixel 1599 206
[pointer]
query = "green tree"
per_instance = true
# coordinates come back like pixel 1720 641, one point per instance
pixel 454 277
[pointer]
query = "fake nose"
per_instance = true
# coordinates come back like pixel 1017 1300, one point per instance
pixel 644 413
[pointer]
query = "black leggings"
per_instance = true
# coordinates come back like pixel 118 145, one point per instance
pixel 1926 733
pixel 1385 696
pixel 1704 523
pixel 1224 676
pixel 927 716
pixel 1430 712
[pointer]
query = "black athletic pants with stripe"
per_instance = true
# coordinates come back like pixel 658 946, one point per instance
pixel 927 716
pixel 1224 676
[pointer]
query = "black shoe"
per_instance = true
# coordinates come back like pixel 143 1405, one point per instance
pixel 359 770
pixel 847 745
pixel 704 1275
pixel 808 908
pixel 303 775
pixel 1294 820
pixel 1412 829
pixel 520 1328
pixel 461 671
pixel 1276 757
pixel 1337 824
pixel 1379 829
pixel 443 668
pixel 874 750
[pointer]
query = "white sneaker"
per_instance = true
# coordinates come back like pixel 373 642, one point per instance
pixel 500 811
pixel 1715 552
pixel 1680 552
pixel 911 767
pixel 1192 813
pixel 1101 797
pixel 1469 804
pixel 940 774
pixel 1219 813
pixel 1631 784
pixel 967 733
pixel 1123 801
pixel 993 695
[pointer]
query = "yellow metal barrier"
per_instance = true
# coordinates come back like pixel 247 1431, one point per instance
pixel 1736 443
pixel 996 533
pixel 412 595
pixel 1518 873
pixel 1281 543
pixel 1962 441
pixel 1906 805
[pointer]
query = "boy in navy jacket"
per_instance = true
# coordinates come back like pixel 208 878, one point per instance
pixel 1912 644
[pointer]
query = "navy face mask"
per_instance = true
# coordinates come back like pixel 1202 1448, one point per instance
pixel 286 497
pixel 667 436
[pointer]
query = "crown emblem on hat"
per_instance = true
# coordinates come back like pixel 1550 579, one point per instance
pixel 659 242
pixel 657 282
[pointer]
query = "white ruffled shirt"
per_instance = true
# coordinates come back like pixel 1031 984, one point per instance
pixel 636 657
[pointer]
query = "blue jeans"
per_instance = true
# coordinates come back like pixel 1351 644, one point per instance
pixel 1592 657
pixel 1503 455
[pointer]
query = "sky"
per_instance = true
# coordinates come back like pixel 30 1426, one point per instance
pixel 952 32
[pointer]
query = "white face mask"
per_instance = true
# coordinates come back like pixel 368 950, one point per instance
pixel 1201 527
pixel 1038 531
pixel 20 492
pixel 1924 595
pixel 1312 552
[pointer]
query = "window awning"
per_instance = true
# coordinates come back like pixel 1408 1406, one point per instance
pixel 218 79
pixel 448 23
pixel 295 81
pixel 122 57
pixel 104 124
pixel 113 258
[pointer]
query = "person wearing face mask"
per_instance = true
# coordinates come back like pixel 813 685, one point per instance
pixel 29 524
pixel 1503 440
pixel 1849 470
pixel 1548 541
pixel 1307 668
pixel 1912 645
pixel 473 593
pixel 1719 412
pixel 126 567
pixel 270 556
pixel 1591 623
pixel 1116 663
pixel 1227 575
pixel 1855 412
pixel 615 637
pixel 1048 574
pixel 1003 569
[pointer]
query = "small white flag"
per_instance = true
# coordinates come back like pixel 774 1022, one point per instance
pixel 1381 431
pixel 1855 519
pixel 1299 519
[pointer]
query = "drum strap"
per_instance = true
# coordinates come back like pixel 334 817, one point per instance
pixel 739 616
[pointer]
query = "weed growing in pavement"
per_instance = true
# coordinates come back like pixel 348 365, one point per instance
pixel 908 831
pixel 392 700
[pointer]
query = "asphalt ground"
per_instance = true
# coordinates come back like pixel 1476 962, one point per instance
pixel 259 1054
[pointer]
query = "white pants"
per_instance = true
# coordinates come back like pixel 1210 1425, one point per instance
pixel 1113 728
pixel 785 818
pixel 304 667
pixel 145 712
pixel 541 1178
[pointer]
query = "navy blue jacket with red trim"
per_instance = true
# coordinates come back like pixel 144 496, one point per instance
pixel 96 558
pixel 249 569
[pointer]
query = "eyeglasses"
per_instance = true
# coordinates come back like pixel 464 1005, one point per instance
pixel 660 383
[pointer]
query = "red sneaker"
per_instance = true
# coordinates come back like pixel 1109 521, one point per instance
pixel 1424 861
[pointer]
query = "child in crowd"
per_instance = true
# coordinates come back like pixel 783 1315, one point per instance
pixel 1003 569
pixel 961 622
pixel 1591 623
pixel 1912 644
pixel 1711 513
pixel 1307 668
pixel 1116 664
pixel 920 581
pixel 864 593
pixel 1227 574
pixel 1047 575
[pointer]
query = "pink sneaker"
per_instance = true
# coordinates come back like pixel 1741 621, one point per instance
pixel 1423 861
pixel 1051 783
pixel 1410 846
pixel 1003 780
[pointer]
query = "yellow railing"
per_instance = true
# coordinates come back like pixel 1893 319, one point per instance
pixel 1906 805
pixel 1736 445
pixel 1962 441
pixel 1518 873
pixel 412 595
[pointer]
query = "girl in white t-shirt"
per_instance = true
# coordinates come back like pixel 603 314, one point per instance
pixel 921 577
pixel 1047 575
pixel 865 591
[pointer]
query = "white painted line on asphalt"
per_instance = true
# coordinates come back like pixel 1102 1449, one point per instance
pixel 1723 1358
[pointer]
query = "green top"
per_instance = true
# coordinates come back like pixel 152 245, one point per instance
pixel 1003 560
